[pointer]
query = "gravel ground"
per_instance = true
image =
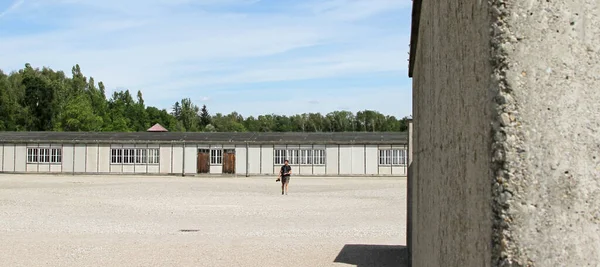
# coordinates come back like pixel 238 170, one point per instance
pixel 176 221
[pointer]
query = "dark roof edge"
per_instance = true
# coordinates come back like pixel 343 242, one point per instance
pixel 133 142
pixel 414 35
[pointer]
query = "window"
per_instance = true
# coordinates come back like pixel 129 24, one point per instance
pixel 56 155
pixel 299 156
pixel 279 155
pixel 44 155
pixel 153 156
pixel 134 156
pixel 293 155
pixel 216 156
pixel 319 157
pixel 392 157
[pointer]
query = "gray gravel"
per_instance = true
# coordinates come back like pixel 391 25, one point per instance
pixel 175 221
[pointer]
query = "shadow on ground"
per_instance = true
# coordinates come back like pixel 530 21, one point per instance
pixel 373 255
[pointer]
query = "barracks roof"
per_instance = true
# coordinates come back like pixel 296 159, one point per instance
pixel 387 138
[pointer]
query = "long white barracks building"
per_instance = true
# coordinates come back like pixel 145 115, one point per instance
pixel 192 153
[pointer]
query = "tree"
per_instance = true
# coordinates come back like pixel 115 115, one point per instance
pixel 205 118
pixel 79 116
pixel 176 111
pixel 189 115
pixel 33 99
pixel 39 100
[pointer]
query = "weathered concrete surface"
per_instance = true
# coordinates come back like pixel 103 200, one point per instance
pixel 452 218
pixel 548 140
pixel 506 163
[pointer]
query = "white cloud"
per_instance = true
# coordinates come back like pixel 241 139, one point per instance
pixel 387 100
pixel 12 8
pixel 355 9
pixel 168 47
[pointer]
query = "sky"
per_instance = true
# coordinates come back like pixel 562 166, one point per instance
pixel 251 56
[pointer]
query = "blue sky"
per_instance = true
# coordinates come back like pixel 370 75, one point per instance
pixel 251 56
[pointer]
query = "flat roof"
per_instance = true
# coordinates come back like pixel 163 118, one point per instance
pixel 384 138
pixel 414 35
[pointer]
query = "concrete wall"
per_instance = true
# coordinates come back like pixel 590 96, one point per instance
pixel 174 159
pixel 507 93
pixel 452 223
pixel 547 158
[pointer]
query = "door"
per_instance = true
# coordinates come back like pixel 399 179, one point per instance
pixel 229 161
pixel 203 161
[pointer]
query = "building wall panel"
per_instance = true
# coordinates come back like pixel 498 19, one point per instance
pixel 80 158
pixel 319 170
pixel 240 160
pixel 331 161
pixel 140 168
pixel 32 167
pixel 345 159
pixel 92 159
pixel 104 158
pixel 116 168
pixel 358 160
pixel 153 169
pixel 21 157
pixel 254 161
pixel 191 159
pixel 128 168
pixel 8 159
pixel 304 170
pixel 165 159
pixel 67 158
pixel 2 157
pixel 399 170
pixel 385 170
pixel 44 167
pixel 267 159
pixel 177 160
pixel 216 169
pixel 55 167
pixel 372 160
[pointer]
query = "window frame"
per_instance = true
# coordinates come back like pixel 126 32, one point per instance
pixel 301 157
pixel 319 157
pixel 134 156
pixel 216 156
pixel 392 157
pixel 43 155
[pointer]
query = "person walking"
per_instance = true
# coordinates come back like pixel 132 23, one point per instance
pixel 284 176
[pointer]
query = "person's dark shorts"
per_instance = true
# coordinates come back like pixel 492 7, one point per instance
pixel 285 179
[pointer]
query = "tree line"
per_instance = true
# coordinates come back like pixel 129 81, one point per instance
pixel 33 99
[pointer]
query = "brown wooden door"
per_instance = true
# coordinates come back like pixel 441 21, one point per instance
pixel 229 161
pixel 203 161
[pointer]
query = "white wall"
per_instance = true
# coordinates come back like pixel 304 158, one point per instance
pixel 358 160
pixel 79 155
pixel 165 158
pixel 94 158
pixel 345 159
pixel 240 160
pixel 191 159
pixel 254 161
pixel 331 160
pixel 267 161
pixel 216 169
pixel 67 158
pixel 177 159
pixel 104 158
pixel 9 157
pixel 372 160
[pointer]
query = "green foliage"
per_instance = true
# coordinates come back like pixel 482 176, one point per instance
pixel 46 100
